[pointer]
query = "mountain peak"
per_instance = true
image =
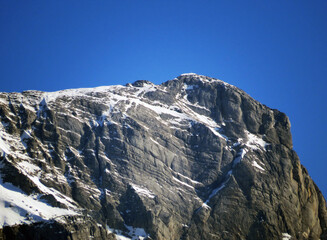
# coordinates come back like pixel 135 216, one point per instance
pixel 173 161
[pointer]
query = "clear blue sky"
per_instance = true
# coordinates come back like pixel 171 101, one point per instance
pixel 274 50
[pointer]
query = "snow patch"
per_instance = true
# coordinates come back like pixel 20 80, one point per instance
pixel 3 101
pixel 183 183
pixel 138 233
pixel 286 236
pixel 142 191
pixel 205 206
pixel 104 117
pixel 16 207
pixel 216 190
pixel 196 117
pixel 25 136
pixel 255 164
pixel 240 156
pixel 189 87
pixel 28 167
pixel 43 106
pixel 254 142
pixel 132 234
pixel 147 87
pixel 191 180
pixel 4 148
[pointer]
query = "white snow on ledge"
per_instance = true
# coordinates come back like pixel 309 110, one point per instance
pixel 142 191
pixel 183 183
pixel 255 164
pixel 191 180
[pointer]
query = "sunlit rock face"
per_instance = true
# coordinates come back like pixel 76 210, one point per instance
pixel 192 158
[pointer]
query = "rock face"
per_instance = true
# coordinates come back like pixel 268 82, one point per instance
pixel 192 158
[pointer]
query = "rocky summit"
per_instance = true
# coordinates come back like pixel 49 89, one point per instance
pixel 193 158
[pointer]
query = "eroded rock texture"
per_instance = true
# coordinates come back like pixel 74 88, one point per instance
pixel 192 158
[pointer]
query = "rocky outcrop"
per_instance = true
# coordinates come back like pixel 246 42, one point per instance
pixel 192 158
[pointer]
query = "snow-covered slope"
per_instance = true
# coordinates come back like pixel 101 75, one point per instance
pixel 16 207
